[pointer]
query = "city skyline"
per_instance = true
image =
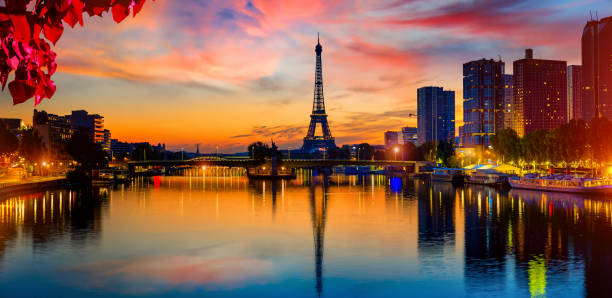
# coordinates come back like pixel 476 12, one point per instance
pixel 374 63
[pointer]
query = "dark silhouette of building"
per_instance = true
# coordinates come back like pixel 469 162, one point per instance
pixel 391 139
pixel 436 114
pixel 318 116
pixel 54 130
pixel 574 92
pixel 483 101
pixel 540 94
pixel 597 69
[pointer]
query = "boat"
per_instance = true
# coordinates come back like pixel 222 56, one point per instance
pixel 563 183
pixel 486 177
pixel 448 175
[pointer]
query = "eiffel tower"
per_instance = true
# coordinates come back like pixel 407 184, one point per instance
pixel 312 142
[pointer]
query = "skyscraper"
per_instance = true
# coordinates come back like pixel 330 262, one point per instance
pixel 597 68
pixel 540 94
pixel 508 96
pixel 574 92
pixel 436 114
pixel 318 116
pixel 483 101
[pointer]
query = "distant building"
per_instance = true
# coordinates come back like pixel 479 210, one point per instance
pixel 508 96
pixel 106 140
pixel 574 92
pixel 54 130
pixel 540 94
pixel 119 148
pixel 91 124
pixel 391 139
pixel 409 135
pixel 436 114
pixel 597 69
pixel 483 101
pixel 13 125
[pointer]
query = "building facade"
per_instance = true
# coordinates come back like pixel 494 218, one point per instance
pixel 483 101
pixel 391 139
pixel 91 124
pixel 574 92
pixel 409 135
pixel 54 130
pixel 435 115
pixel 597 69
pixel 540 94
pixel 508 99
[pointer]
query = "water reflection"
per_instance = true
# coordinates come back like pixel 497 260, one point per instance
pixel 233 237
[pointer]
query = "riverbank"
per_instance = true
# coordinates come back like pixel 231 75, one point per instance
pixel 30 184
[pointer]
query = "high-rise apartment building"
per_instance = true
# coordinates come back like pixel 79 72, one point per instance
pixel 436 114
pixel 508 96
pixel 574 92
pixel 597 69
pixel 483 101
pixel 540 94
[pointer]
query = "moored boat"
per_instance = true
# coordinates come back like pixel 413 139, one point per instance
pixel 448 175
pixel 486 177
pixel 563 183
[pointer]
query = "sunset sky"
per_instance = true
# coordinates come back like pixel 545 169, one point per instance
pixel 228 72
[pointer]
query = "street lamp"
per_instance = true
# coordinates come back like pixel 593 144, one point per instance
pixel 395 152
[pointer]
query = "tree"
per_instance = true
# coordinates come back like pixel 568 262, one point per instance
pixel 261 151
pixel 27 27
pixel 507 145
pixel 86 153
pixel 31 147
pixel 427 151
pixel 445 153
pixel 8 141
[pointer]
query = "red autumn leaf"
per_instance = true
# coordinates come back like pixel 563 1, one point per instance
pixel 21 28
pixel 53 32
pixel 120 12
pixel 24 51
pixel 20 91
pixel 137 6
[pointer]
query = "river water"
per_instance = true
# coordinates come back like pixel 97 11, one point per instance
pixel 334 236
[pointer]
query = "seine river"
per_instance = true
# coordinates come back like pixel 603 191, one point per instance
pixel 338 236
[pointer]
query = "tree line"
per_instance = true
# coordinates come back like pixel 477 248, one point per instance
pixel 572 144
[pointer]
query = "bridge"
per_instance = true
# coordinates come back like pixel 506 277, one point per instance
pixel 288 163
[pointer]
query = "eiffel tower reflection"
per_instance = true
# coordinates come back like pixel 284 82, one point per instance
pixel 318 215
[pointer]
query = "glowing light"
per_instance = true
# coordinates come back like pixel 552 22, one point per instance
pixel 203 168
pixel 396 149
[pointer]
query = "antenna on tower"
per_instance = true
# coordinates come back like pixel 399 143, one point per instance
pixel 498 55
pixel 317 37
pixel 591 14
